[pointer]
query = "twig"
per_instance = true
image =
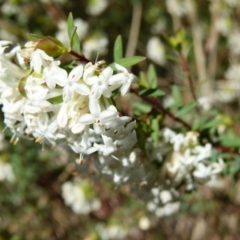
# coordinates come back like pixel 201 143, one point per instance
pixel 79 57
pixel 198 48
pixel 190 80
pixel 156 105
pixel 134 30
pixel 211 45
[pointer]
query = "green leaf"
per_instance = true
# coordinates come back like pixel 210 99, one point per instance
pixel 128 62
pixel 141 108
pixel 56 100
pixel 177 97
pixel 69 65
pixel 118 49
pixel 155 129
pixel 143 82
pixel 187 108
pixel 51 46
pixel 33 37
pixel 211 123
pixel 73 37
pixel 230 140
pixel 152 92
pixel 178 40
pixel 235 167
pixel 152 76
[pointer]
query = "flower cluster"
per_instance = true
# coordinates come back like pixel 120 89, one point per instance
pixel 158 173
pixel 43 100
pixel 53 101
pixel 79 196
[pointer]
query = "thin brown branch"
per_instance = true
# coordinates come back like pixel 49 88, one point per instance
pixel 79 57
pixel 157 106
pixel 190 80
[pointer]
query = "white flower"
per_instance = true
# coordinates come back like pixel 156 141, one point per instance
pixel 99 119
pixel 75 196
pixel 95 7
pixel 95 45
pixel 100 84
pixel 202 172
pixel 52 73
pixel 39 59
pixel 46 130
pixel 71 83
pixel 124 78
pixel 36 101
pixel 175 7
pixel 6 172
pixel 156 51
pixel 111 232
pixel 144 223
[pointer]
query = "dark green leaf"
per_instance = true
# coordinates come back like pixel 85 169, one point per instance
pixel 152 92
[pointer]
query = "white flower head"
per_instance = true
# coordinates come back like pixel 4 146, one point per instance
pixel 124 79
pixel 39 59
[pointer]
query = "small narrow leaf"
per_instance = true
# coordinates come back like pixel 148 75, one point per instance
pixel 211 123
pixel 118 49
pixel 187 108
pixel 230 139
pixel 152 92
pixel 33 37
pixel 128 62
pixel 152 76
pixel 155 129
pixel 177 97
pixel 73 37
pixel 143 81
pixel 141 108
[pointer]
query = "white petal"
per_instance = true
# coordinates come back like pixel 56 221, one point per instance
pixel 76 73
pixel 117 79
pixel 125 88
pixel 62 79
pixel 94 107
pixel 62 117
pixel 107 116
pixel 86 119
pixel 120 68
pixel 81 89
pixel 77 128
pixel 91 80
pixel 107 92
pixel 107 73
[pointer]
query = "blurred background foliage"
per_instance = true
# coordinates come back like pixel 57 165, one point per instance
pixel 31 202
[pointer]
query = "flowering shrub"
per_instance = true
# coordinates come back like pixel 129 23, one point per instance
pixel 122 124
